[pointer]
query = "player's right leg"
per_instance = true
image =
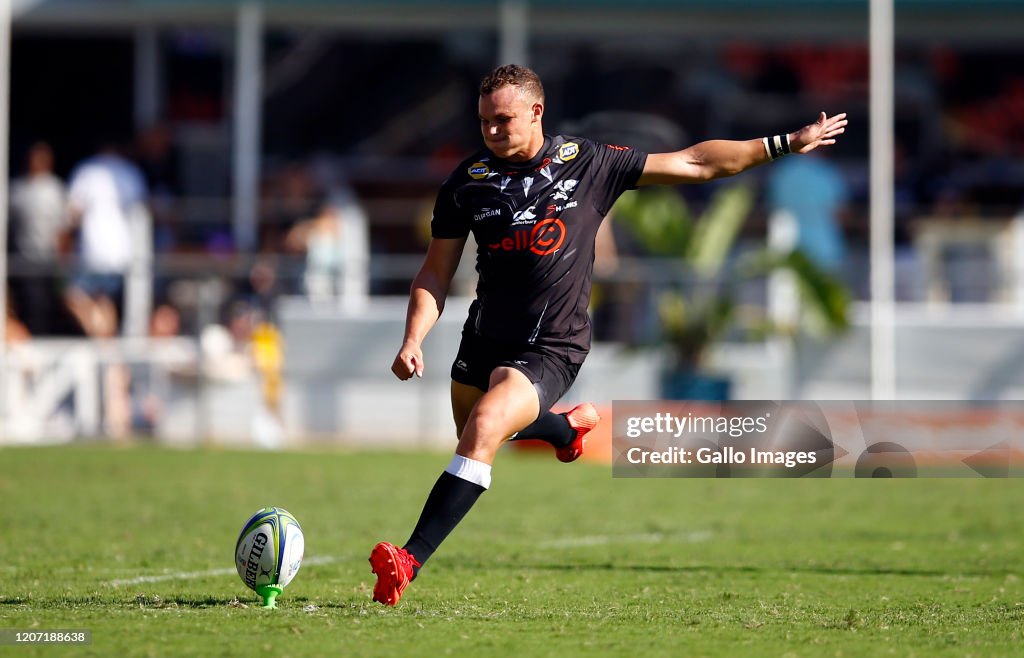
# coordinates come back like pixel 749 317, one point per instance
pixel 565 431
pixel 552 373
pixel 581 419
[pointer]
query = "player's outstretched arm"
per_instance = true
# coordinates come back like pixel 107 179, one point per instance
pixel 426 301
pixel 718 158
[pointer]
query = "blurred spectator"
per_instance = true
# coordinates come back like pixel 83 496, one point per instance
pixel 226 344
pixel 223 346
pixel 147 404
pixel 609 299
pixel 106 194
pixel 289 195
pixel 261 290
pixel 252 303
pixel 37 224
pixel 14 330
pixel 157 158
pixel 267 349
pixel 813 193
pixel 249 342
pixel 131 401
pixel 165 322
pixel 320 239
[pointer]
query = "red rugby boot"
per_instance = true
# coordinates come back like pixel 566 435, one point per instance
pixel 394 569
pixel 582 418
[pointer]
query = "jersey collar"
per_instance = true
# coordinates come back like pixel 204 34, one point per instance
pixel 516 167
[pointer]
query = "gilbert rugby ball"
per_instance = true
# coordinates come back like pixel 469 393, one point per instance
pixel 269 549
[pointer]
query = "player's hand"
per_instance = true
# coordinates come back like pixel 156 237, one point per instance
pixel 408 362
pixel 822 132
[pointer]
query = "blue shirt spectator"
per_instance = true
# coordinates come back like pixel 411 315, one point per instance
pixel 814 191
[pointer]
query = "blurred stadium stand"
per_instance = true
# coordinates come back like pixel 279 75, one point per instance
pixel 378 99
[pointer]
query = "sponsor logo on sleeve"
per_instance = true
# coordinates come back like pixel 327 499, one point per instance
pixel 485 213
pixel 617 148
pixel 478 170
pixel 568 151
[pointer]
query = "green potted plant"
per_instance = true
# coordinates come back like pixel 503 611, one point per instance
pixel 700 305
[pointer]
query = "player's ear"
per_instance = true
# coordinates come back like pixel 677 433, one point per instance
pixel 537 111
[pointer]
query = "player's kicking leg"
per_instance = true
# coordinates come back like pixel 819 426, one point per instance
pixel 509 404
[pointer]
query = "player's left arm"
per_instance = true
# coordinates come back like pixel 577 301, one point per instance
pixel 718 158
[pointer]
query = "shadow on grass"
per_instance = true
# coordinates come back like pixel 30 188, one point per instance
pixel 139 600
pixel 711 569
pixel 155 601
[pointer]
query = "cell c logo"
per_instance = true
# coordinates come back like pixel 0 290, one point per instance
pixel 547 236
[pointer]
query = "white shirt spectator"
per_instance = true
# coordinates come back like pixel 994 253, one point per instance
pixel 106 189
pixel 37 208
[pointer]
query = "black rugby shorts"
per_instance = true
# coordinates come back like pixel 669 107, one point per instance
pixel 551 373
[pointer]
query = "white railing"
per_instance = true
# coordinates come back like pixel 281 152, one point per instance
pixel 60 389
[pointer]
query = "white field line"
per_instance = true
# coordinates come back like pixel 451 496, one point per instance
pixel 692 537
pixel 209 573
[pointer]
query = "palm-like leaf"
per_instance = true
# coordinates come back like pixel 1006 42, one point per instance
pixel 703 308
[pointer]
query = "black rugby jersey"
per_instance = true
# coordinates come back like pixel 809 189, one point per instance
pixel 535 223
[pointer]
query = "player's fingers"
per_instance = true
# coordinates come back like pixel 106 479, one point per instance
pixel 401 367
pixel 417 365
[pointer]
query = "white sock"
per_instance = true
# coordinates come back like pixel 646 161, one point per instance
pixel 470 470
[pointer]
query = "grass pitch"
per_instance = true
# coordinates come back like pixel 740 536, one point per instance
pixel 137 545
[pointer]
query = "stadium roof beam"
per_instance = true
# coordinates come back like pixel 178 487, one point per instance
pixel 977 22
